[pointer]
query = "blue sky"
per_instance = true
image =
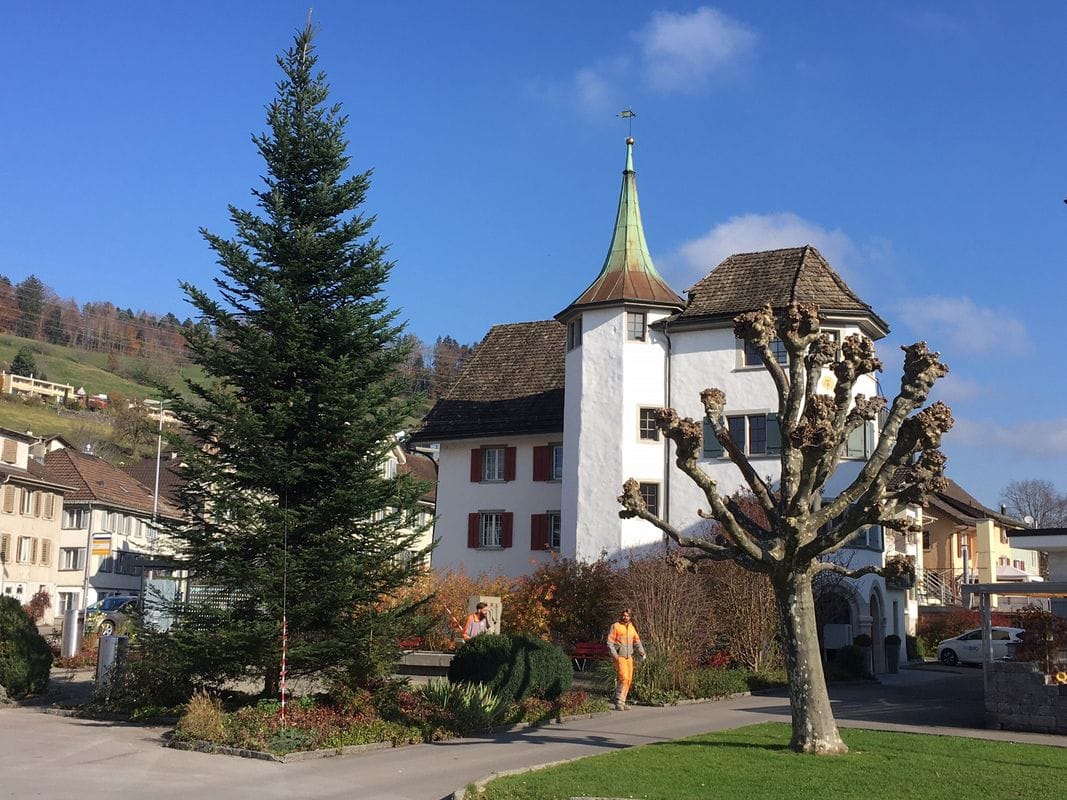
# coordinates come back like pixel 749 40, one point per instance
pixel 919 146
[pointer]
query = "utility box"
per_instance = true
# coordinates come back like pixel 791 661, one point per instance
pixel 495 610
pixel 111 653
pixel 72 633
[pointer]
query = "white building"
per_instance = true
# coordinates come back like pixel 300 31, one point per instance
pixel 550 418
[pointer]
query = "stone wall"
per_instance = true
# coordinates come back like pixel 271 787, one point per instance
pixel 1017 699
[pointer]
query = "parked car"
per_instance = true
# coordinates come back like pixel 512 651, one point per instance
pixel 111 614
pixel 967 647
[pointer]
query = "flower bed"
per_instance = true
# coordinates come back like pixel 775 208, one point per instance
pixel 393 714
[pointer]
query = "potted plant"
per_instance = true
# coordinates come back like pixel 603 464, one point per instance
pixel 892 652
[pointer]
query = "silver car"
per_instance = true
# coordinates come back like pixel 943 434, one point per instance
pixel 109 615
pixel 967 647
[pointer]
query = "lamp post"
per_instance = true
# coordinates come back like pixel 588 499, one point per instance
pixel 155 491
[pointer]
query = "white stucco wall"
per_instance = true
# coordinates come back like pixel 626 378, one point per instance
pixel 457 496
pixel 615 378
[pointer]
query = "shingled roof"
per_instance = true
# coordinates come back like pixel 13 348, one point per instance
pixel 961 505
pixel 421 467
pixel 628 274
pixel 170 481
pixel 96 481
pixel 747 281
pixel 512 385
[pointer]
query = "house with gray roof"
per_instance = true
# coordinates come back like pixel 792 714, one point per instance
pixel 550 418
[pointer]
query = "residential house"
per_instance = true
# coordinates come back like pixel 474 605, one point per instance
pixel 31 504
pixel 402 460
pixel 549 418
pixel 107 530
pixel 29 386
pixel 963 540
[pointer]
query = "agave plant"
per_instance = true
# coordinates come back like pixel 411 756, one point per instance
pixel 472 706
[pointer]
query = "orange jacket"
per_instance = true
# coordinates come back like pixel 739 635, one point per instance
pixel 623 640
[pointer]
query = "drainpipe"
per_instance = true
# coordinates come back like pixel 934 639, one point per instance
pixel 88 555
pixel 666 441
pixel 3 560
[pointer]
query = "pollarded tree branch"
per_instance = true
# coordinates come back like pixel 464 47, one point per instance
pixel 634 505
pixel 921 368
pixel 688 438
pixel 839 569
pixel 714 402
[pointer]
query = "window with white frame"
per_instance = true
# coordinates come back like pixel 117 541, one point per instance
pixel 636 325
pixel 752 357
pixel 71 558
pixel 646 426
pixel 27 502
pixel 27 550
pixel 650 494
pixel 492 463
pixel 75 518
pixel 68 600
pixel 491 525
pixel 557 462
pixel 554 530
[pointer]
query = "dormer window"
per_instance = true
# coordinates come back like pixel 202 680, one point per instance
pixel 636 326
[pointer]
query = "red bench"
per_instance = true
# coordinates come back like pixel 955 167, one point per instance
pixel 584 652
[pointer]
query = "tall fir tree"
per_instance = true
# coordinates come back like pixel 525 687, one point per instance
pixel 288 499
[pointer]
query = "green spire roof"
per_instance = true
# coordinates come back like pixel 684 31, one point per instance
pixel 628 274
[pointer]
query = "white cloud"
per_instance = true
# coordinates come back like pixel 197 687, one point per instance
pixel 964 326
pixel 681 51
pixel 955 389
pixel 755 232
pixel 594 90
pixel 1032 437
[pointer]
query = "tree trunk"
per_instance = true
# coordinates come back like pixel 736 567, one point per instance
pixel 814 727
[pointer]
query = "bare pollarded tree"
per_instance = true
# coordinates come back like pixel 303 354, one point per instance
pixel 801 531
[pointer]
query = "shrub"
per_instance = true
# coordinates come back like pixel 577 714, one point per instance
pixel 722 682
pixel 39 603
pixel 850 662
pixel 202 719
pixel 1045 637
pixel 658 680
pixel 915 648
pixel 25 657
pixel 514 667
pixel 469 706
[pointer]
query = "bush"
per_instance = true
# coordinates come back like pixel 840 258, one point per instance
pixel 25 657
pixel 514 667
pixel 850 662
pixel 722 682
pixel 469 706
pixel 915 648
pixel 202 719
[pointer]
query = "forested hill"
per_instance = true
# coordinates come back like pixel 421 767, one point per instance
pixel 141 344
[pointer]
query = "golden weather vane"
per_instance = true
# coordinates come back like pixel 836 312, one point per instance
pixel 629 115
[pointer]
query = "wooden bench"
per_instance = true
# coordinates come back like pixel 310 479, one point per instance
pixel 584 652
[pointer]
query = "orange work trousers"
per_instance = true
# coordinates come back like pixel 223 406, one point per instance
pixel 624 671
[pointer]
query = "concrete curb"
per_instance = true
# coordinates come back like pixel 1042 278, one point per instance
pixel 461 793
pixel 201 746
pixel 288 758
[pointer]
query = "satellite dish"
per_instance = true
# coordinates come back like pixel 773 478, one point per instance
pixel 1028 520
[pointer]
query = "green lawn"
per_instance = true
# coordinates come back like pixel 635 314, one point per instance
pixel 754 763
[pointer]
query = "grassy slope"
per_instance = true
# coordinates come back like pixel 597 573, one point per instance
pixel 80 369
pixel 754 763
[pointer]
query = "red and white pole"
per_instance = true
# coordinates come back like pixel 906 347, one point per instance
pixel 285 642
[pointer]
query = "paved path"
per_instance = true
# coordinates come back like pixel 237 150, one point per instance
pixel 42 755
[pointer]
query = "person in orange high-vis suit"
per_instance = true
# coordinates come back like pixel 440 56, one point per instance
pixel 622 642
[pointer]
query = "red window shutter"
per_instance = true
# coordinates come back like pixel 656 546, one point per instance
pixel 507 523
pixel 539 532
pixel 509 463
pixel 476 465
pixel 542 463
pixel 473 525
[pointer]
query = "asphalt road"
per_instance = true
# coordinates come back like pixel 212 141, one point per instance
pixel 42 755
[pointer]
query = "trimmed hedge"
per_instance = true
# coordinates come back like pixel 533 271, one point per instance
pixel 25 657
pixel 515 667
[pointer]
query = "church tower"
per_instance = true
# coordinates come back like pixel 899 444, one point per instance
pixel 616 374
